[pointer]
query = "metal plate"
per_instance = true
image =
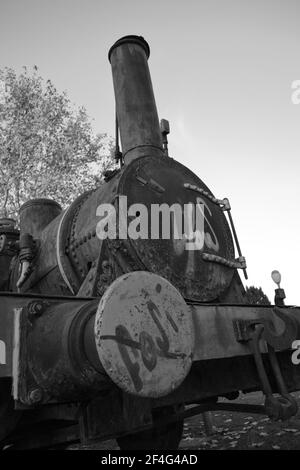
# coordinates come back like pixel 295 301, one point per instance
pixel 144 334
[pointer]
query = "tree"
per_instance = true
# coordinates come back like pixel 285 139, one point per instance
pixel 256 296
pixel 47 148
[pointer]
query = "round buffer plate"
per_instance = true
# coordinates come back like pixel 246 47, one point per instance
pixel 144 334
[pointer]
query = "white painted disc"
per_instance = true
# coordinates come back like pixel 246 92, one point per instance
pixel 144 334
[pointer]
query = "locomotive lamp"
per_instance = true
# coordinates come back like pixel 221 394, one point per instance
pixel 279 293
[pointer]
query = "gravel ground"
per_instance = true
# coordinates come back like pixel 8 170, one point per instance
pixel 233 431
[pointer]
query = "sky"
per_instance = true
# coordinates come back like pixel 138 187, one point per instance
pixel 222 72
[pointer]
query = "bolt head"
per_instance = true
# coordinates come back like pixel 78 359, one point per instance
pixel 35 396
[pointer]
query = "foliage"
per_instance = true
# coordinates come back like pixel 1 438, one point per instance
pixel 256 296
pixel 47 148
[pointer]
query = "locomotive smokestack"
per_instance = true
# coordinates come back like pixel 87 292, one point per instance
pixel 135 104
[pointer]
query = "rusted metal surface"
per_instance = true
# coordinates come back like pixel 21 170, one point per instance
pixel 238 263
pixel 135 103
pixel 284 406
pixel 68 348
pixel 215 330
pixel 53 365
pixel 194 277
pixel 61 357
pixel 46 347
pixel 36 214
pixel 218 377
pixel 278 339
pixel 58 348
pixel 144 334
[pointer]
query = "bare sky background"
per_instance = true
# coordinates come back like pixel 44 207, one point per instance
pixel 222 72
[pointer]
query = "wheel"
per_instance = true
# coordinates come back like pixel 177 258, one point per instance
pixel 166 437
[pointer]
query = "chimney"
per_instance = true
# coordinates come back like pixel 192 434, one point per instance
pixel 135 104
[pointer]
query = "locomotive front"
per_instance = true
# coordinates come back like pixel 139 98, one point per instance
pixel 183 234
pixel 130 300
pixel 153 216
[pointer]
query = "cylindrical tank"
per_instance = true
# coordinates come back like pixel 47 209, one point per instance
pixel 56 353
pixel 36 214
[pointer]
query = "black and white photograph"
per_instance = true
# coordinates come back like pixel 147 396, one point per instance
pixel 149 228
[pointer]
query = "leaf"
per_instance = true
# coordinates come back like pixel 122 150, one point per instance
pixel 258 444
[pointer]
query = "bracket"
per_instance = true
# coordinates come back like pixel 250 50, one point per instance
pixel 252 332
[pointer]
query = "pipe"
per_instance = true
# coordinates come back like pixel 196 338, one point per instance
pixel 135 103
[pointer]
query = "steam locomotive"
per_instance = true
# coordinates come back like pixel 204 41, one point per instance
pixel 125 336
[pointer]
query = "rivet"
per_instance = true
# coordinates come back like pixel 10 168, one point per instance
pixel 35 396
